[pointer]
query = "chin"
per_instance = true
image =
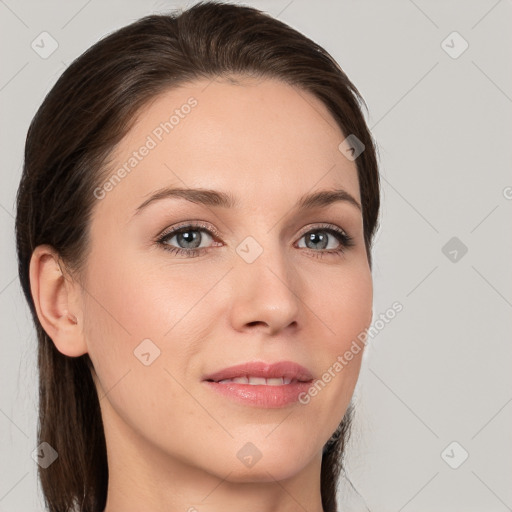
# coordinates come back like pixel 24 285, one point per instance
pixel 266 465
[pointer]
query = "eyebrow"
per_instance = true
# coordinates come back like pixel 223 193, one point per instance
pixel 217 198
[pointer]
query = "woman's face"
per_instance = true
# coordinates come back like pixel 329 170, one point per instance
pixel 259 280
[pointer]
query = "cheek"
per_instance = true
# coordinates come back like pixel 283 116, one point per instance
pixel 343 304
pixel 138 368
pixel 137 313
pixel 132 300
pixel 345 311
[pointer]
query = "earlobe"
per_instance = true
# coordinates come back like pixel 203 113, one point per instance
pixel 56 302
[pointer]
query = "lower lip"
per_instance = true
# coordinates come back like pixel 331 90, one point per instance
pixel 256 395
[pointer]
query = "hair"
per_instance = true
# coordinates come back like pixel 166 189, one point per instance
pixel 85 115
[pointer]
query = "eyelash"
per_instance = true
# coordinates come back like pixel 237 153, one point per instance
pixel 345 240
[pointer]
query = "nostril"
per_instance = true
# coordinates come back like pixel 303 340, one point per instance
pixel 256 322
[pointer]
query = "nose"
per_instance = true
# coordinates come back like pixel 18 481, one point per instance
pixel 266 293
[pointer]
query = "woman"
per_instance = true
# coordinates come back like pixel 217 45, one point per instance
pixel 194 226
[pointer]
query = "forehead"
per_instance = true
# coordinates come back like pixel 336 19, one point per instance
pixel 263 141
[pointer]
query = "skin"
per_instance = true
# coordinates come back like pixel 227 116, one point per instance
pixel 171 441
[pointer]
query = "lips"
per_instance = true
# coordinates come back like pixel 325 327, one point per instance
pixel 261 385
pixel 261 373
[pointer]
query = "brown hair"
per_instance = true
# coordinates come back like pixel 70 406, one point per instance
pixel 87 112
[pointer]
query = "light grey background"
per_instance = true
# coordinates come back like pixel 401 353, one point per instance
pixel 440 371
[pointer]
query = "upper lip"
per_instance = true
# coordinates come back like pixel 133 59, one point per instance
pixel 286 369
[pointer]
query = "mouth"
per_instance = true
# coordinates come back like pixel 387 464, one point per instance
pixel 264 374
pixel 260 384
pixel 260 381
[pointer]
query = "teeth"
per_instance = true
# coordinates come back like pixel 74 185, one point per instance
pixel 258 381
pixel 275 382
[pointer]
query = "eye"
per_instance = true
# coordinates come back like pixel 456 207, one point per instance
pixel 189 237
pixel 318 238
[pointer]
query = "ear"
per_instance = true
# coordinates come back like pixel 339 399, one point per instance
pixel 57 302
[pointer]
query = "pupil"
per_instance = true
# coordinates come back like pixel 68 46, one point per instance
pixel 320 237
pixel 189 238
